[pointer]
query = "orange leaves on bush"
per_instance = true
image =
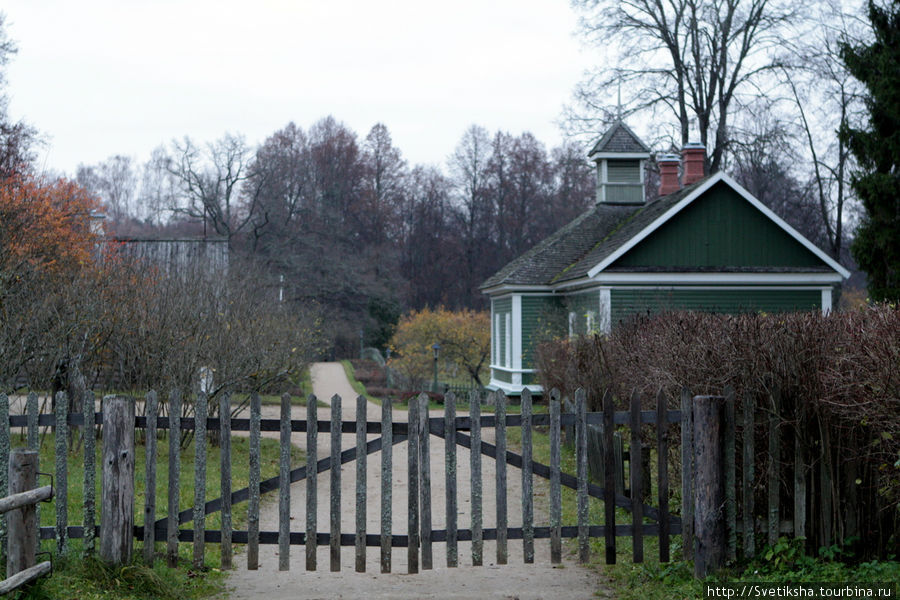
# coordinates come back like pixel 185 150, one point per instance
pixel 464 337
pixel 45 226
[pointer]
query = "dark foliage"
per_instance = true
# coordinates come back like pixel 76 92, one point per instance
pixel 837 377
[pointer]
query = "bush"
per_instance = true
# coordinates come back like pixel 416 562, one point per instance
pixel 838 377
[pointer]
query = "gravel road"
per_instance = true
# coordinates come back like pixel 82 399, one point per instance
pixel 514 580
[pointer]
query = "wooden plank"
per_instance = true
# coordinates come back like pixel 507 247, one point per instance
pixel 619 459
pixel 425 482
pixel 253 484
pixel 749 461
pixel 774 471
pixel 502 518
pixel 609 485
pixel 32 437
pixel 284 486
pixel 662 453
pixel 635 452
pixel 709 491
pixel 412 514
pixel 152 409
pixel 450 478
pixel 32 412
pixel 799 482
pixel 687 475
pixel 61 430
pixel 117 497
pixel 527 480
pixel 4 460
pixel 18 500
pixel 174 477
pixel 827 492
pixel 22 524
pixel 225 477
pixel 335 480
pixel 90 474
pixel 555 490
pixel 475 471
pixel 730 478
pixel 584 549
pixel 312 444
pixel 30 574
pixel 201 412
pixel 386 483
pixel 360 484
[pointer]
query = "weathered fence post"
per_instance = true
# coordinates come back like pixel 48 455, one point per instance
pixel 22 523
pixel 117 497
pixel 709 484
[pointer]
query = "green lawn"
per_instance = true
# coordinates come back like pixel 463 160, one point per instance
pixel 74 577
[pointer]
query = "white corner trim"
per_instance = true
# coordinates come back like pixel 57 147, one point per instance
pixel 826 300
pixel 605 315
pixel 720 176
pixel 517 332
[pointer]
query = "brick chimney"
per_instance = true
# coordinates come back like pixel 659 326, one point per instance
pixel 694 156
pixel 668 174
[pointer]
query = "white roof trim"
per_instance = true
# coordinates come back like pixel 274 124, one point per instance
pixel 622 155
pixel 512 288
pixel 718 278
pixel 720 176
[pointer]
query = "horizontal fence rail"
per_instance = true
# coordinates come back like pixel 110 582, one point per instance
pixel 458 431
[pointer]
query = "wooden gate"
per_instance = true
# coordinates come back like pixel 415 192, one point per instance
pixel 468 431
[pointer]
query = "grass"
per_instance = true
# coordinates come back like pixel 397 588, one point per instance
pixel 88 579
pixel 653 580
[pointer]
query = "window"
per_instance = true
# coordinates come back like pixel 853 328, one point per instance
pixel 573 320
pixel 590 322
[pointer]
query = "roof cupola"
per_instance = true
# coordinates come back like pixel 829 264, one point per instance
pixel 620 157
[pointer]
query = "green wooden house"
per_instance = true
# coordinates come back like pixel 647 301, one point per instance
pixel 704 244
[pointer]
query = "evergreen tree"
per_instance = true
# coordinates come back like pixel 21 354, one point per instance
pixel 877 64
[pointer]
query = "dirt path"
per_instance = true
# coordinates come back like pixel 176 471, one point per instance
pixel 515 580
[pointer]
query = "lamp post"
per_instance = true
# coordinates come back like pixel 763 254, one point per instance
pixel 437 349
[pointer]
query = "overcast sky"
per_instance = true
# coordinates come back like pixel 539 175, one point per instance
pixel 99 78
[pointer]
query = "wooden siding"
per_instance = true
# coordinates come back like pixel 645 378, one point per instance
pixel 628 302
pixel 536 319
pixel 720 229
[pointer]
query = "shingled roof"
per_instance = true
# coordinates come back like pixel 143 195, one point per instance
pixel 619 138
pixel 572 251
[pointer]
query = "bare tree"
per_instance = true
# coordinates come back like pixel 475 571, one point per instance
pixel 115 182
pixel 692 59
pixel 16 138
pixel 210 180
pixel 159 188
pixel 819 79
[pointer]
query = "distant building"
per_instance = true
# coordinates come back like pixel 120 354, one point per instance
pixel 175 255
pixel 705 244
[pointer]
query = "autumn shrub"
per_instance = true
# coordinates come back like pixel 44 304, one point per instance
pixel 464 337
pixel 837 378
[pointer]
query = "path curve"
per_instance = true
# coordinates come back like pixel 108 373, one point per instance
pixel 514 580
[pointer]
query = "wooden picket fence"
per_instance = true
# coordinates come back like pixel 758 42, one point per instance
pixel 708 479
